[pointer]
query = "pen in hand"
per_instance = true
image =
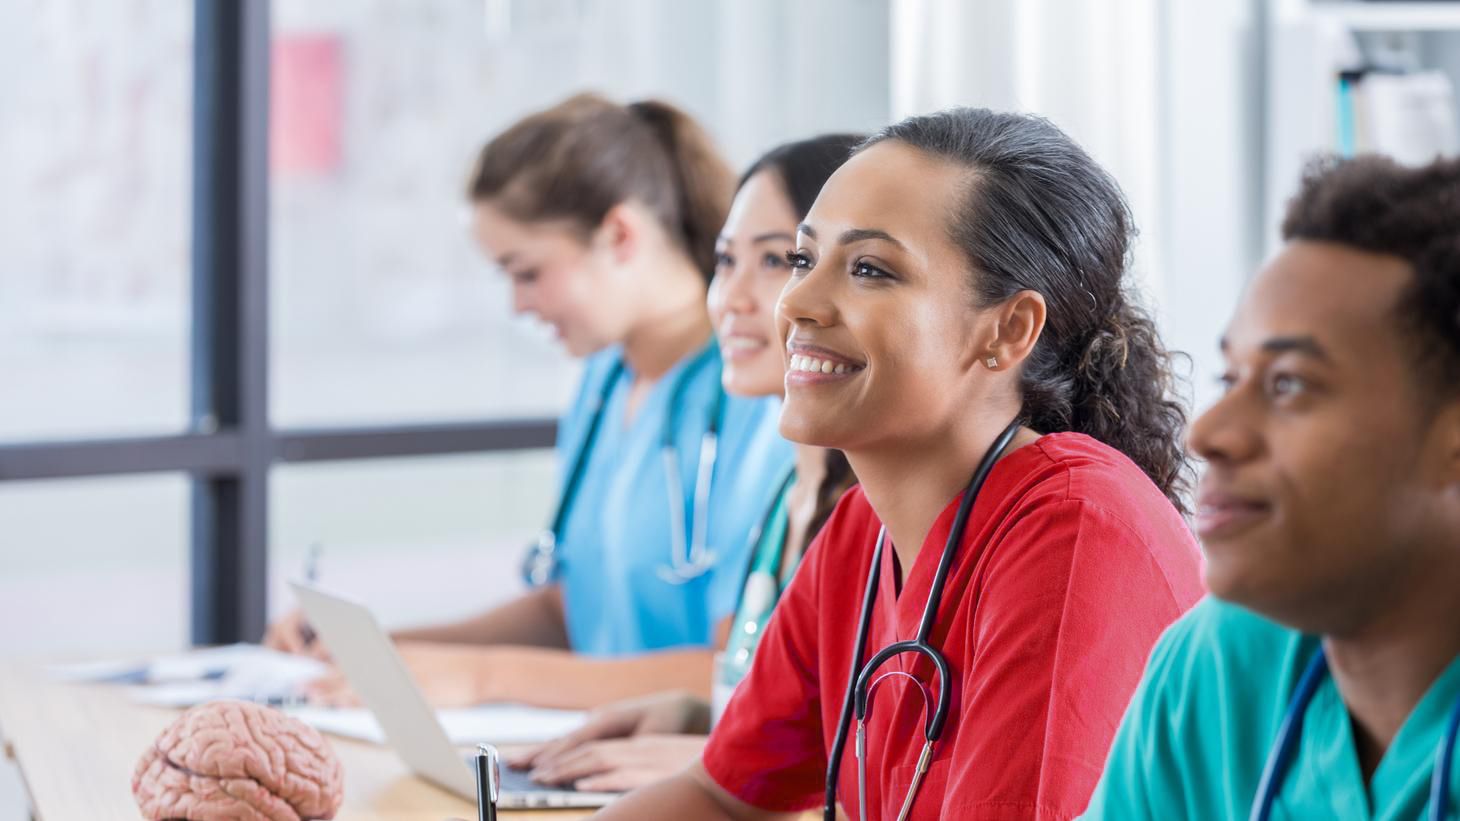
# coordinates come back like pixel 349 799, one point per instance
pixel 307 636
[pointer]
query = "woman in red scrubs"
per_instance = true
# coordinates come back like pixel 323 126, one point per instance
pixel 962 270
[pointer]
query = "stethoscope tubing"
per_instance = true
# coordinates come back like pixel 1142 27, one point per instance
pixel 856 698
pixel 1440 780
pixel 1290 733
pixel 686 563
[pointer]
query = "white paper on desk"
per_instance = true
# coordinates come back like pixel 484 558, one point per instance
pixel 243 671
pixel 493 723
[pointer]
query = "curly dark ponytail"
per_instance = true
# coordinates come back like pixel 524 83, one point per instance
pixel 1042 216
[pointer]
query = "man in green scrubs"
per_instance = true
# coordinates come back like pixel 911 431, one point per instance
pixel 1330 513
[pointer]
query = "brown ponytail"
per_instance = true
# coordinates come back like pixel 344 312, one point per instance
pixel 582 157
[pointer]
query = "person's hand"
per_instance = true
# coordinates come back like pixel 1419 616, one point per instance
pixel 622 764
pixel 658 714
pixel 449 675
pixel 292 634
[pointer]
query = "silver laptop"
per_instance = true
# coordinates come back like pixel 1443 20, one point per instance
pixel 367 657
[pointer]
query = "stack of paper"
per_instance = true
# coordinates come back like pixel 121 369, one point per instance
pixel 237 671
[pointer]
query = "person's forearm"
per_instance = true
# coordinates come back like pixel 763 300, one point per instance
pixel 557 678
pixel 534 619
pixel 690 794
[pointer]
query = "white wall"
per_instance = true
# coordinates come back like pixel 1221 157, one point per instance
pixel 1211 186
pixel 1159 91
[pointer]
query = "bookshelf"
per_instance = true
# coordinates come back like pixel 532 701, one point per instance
pixel 1309 43
pixel 1400 17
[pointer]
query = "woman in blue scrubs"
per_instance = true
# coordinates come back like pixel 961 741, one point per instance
pixel 643 740
pixel 605 217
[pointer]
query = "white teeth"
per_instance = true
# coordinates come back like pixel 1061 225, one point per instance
pixel 807 364
pixel 741 343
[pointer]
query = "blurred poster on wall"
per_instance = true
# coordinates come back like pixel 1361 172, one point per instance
pixel 307 108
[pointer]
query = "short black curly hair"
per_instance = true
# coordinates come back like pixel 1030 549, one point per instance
pixel 1377 205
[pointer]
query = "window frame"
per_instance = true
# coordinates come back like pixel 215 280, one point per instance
pixel 230 445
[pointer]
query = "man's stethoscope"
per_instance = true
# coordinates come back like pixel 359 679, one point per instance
pixel 1280 760
pixel 686 561
pixel 861 684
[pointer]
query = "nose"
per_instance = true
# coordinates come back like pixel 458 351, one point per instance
pixel 809 299
pixel 738 292
pixel 1227 432
pixel 522 299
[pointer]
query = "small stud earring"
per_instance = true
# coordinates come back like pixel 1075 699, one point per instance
pixel 992 362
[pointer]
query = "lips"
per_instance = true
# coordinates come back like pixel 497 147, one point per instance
pixel 1222 514
pixel 742 346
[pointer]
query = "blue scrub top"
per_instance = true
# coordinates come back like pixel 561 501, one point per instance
pixel 616 536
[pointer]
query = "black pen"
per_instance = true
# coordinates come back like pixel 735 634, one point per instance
pixel 489 782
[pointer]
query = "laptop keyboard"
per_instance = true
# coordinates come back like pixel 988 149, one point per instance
pixel 518 781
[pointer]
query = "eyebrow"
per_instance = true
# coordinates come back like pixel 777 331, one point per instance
pixel 1306 345
pixel 767 237
pixel 852 235
pixel 506 260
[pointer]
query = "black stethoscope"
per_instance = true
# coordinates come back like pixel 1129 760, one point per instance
pixel 686 561
pixel 861 683
pixel 1280 760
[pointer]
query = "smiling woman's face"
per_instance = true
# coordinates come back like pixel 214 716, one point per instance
pixel 750 271
pixel 572 286
pixel 878 321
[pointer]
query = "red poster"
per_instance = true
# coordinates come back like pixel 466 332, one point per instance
pixel 307 105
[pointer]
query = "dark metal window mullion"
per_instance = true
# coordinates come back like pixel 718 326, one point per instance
pixel 229 551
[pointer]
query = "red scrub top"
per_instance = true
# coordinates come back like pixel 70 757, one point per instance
pixel 1072 564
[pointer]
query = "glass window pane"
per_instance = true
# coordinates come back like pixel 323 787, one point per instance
pixel 383 309
pixel 419 539
pixel 94 162
pixel 94 567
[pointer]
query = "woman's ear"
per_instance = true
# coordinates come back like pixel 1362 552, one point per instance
pixel 1018 322
pixel 1446 450
pixel 620 233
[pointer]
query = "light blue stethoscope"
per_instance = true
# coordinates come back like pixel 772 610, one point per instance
pixel 687 562
pixel 1280 760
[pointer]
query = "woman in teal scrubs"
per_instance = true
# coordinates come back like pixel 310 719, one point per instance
pixel 1330 512
pixel 604 217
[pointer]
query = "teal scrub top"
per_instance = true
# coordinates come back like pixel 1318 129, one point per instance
pixel 616 535
pixel 766 580
pixel 1197 735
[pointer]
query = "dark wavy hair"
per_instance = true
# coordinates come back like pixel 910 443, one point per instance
pixel 1377 205
pixel 1041 215
pixel 803 167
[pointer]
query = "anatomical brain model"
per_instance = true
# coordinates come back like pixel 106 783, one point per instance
pixel 236 760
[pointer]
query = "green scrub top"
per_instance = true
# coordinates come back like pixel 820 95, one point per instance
pixel 766 578
pixel 1198 731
